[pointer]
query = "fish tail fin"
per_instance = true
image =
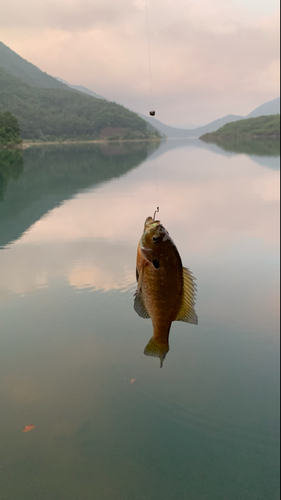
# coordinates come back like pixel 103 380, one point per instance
pixel 157 350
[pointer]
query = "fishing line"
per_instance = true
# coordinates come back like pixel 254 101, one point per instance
pixel 156 211
pixel 157 184
pixel 152 112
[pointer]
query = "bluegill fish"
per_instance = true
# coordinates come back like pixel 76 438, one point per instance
pixel 166 290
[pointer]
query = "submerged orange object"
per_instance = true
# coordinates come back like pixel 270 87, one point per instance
pixel 29 428
pixel 166 290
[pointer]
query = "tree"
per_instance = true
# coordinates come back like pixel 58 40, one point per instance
pixel 9 129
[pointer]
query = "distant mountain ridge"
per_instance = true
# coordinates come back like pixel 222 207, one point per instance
pixel 268 108
pixel 174 133
pixel 82 89
pixel 19 68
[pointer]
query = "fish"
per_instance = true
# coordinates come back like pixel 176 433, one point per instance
pixel 166 290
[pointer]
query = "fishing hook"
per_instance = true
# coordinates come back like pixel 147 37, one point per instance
pixel 155 213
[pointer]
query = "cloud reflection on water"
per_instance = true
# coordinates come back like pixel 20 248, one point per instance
pixel 206 200
pixel 85 265
pixel 221 212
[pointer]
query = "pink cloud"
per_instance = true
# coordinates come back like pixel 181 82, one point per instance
pixel 208 59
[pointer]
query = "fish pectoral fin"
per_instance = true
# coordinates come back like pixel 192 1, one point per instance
pixel 187 312
pixel 157 350
pixel 139 305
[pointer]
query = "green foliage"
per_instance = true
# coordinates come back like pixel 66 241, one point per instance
pixel 261 127
pixel 9 129
pixel 52 114
pixel 11 167
pixel 16 66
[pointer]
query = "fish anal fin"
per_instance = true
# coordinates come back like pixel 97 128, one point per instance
pixel 157 350
pixel 139 305
pixel 186 311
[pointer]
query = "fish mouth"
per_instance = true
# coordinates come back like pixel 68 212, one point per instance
pixel 150 223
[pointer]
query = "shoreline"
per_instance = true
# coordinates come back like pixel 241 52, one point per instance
pixel 11 146
pixel 244 137
pixel 28 144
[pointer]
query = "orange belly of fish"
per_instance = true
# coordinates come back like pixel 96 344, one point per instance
pixel 162 292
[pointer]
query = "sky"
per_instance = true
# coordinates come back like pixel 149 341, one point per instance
pixel 208 59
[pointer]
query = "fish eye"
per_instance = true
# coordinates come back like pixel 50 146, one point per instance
pixel 154 238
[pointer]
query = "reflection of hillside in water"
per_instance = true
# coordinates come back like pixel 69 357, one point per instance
pixel 11 167
pixel 54 174
pixel 258 147
pixel 263 151
pixel 85 266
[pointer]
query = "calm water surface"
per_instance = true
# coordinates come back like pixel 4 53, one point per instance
pixel 205 427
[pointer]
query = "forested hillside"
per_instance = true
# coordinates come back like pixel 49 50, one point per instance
pixel 49 110
pixel 261 127
pixel 50 114
pixel 16 66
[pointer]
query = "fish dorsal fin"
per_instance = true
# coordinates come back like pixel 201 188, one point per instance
pixel 157 350
pixel 187 312
pixel 139 305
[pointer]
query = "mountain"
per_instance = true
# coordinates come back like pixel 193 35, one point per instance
pixel 211 127
pixel 16 66
pixel 27 73
pixel 82 89
pixel 47 109
pixel 268 108
pixel 166 130
pixel 262 127
pixel 173 133
pixel 50 114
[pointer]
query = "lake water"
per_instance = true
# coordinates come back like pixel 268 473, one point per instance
pixel 109 424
